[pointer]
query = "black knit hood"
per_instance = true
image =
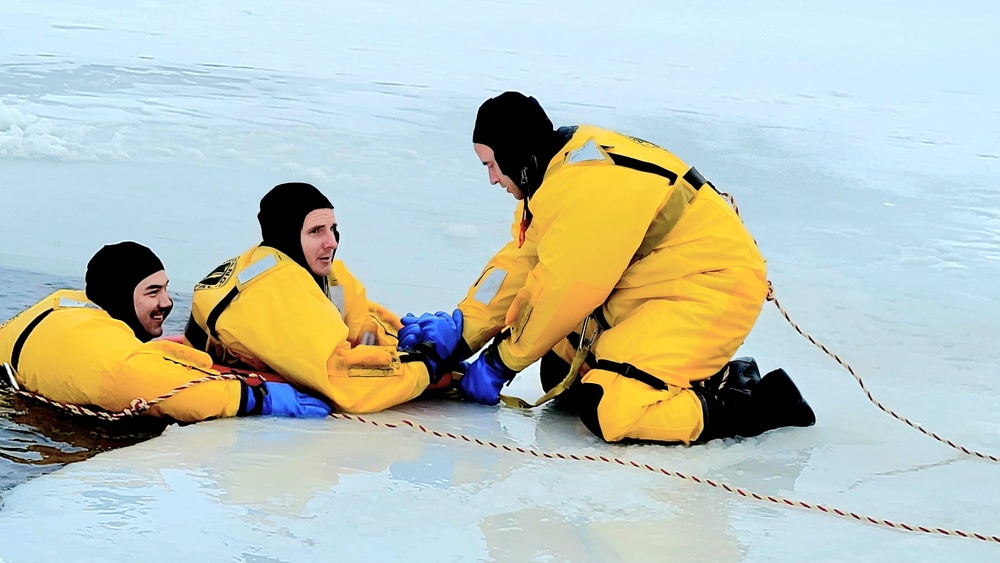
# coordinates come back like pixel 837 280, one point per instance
pixel 282 213
pixel 521 135
pixel 112 276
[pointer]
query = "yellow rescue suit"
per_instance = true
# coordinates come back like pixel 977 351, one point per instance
pixel 264 310
pixel 67 349
pixel 623 226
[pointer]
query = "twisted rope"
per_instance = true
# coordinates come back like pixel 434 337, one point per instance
pixel 847 366
pixel 874 401
pixel 138 405
pixel 693 478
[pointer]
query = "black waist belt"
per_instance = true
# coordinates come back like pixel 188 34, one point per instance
pixel 15 355
pixel 196 335
pixel 631 372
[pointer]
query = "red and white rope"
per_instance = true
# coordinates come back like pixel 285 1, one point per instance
pixel 694 478
pixel 847 366
pixel 138 405
pixel 868 393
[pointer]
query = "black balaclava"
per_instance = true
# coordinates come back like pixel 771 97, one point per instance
pixel 112 276
pixel 282 213
pixel 522 138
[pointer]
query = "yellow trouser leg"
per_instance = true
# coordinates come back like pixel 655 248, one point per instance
pixel 626 408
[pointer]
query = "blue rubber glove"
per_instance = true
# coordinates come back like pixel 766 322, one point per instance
pixel 281 399
pixel 442 330
pixel 411 334
pixel 485 377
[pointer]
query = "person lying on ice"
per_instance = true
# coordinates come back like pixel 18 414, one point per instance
pixel 288 306
pixel 96 348
pixel 617 230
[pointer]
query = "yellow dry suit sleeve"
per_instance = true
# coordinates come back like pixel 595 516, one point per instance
pixel 589 227
pixel 381 328
pixel 158 367
pixel 283 319
pixel 488 300
pixel 367 321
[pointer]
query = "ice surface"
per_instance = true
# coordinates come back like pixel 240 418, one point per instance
pixel 860 140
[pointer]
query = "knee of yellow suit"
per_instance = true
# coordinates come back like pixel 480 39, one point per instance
pixel 614 407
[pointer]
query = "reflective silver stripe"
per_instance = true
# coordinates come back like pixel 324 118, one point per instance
pixel 490 286
pixel 10 377
pixel 369 339
pixel 256 269
pixel 337 297
pixel 67 303
pixel 588 152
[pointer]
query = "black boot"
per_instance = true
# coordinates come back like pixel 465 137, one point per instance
pixel 724 411
pixel 774 402
pixel 740 373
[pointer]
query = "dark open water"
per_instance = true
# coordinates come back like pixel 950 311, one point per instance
pixel 36 438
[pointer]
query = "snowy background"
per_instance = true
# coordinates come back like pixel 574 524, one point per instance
pixel 862 143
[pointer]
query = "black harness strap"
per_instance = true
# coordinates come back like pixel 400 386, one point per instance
pixel 602 321
pixel 15 356
pixel 696 180
pixel 196 335
pixel 217 311
pixel 631 372
pixel 643 166
pixel 692 176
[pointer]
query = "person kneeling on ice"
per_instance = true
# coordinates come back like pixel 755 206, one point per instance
pixel 96 348
pixel 286 305
pixel 618 237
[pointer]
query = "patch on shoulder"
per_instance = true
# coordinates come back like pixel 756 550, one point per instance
pixel 490 287
pixel 639 141
pixel 587 153
pixel 219 276
pixel 257 268
pixel 67 303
